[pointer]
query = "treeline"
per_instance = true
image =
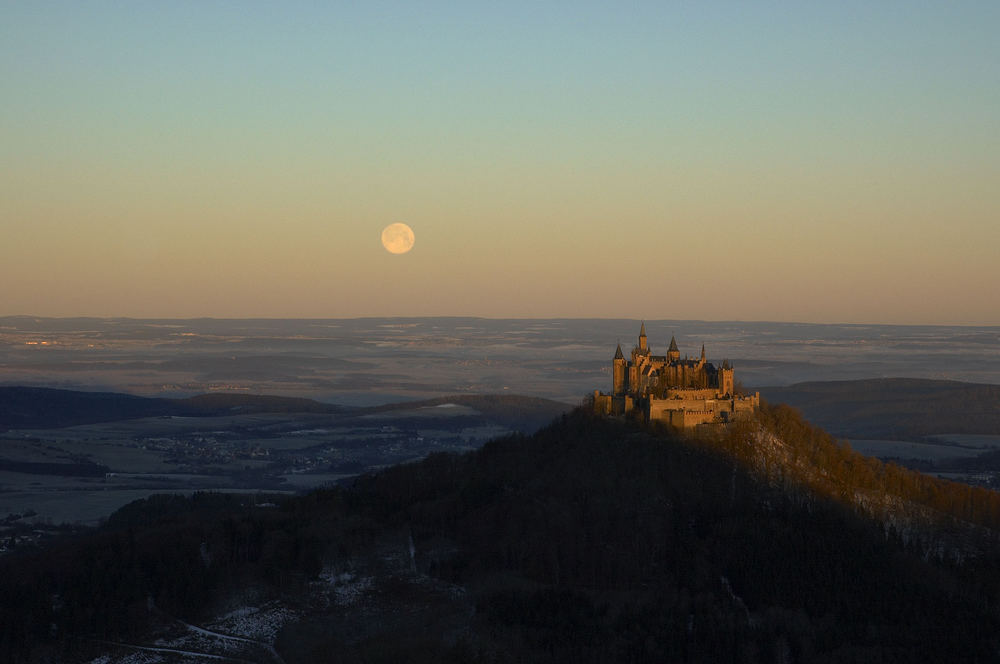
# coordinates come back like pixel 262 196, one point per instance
pixel 60 469
pixel 179 554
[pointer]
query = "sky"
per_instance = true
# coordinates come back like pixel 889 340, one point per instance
pixel 786 161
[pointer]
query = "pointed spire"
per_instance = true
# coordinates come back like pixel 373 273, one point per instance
pixel 618 353
pixel 702 352
pixel 673 344
pixel 642 329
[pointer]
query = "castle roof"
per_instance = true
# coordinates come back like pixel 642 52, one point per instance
pixel 642 329
pixel 673 344
pixel 618 353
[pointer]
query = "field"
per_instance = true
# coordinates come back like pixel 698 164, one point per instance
pixel 80 474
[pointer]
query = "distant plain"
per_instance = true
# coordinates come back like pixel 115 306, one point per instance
pixel 381 360
pixel 364 363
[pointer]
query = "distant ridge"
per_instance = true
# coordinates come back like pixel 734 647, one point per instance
pixel 40 407
pixel 894 408
pixel 517 412
pixel 226 402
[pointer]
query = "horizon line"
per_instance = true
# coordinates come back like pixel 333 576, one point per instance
pixel 501 318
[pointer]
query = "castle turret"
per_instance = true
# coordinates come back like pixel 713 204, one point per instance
pixel 643 342
pixel 703 354
pixel 673 353
pixel 618 373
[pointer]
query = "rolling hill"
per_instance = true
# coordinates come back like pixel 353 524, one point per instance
pixel 46 408
pixel 894 408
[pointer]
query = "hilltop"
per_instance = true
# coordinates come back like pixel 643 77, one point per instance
pixel 592 540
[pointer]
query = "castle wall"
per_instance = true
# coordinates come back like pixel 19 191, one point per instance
pixel 688 408
pixel 693 393
pixel 602 403
pixel 685 419
pixel 608 404
pixel 747 404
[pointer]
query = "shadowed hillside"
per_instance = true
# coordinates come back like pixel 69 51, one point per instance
pixel 593 540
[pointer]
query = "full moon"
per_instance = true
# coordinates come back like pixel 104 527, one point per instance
pixel 397 238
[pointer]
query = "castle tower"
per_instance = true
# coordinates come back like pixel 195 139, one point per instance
pixel 673 353
pixel 702 361
pixel 643 342
pixel 726 385
pixel 618 373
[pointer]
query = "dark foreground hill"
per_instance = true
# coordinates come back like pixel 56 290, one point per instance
pixel 894 408
pixel 591 541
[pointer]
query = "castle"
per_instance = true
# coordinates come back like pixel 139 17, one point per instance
pixel 682 393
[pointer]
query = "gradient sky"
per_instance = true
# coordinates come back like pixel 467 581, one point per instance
pixel 830 161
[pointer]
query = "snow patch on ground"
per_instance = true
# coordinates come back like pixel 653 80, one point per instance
pixel 350 589
pixel 131 658
pixel 141 658
pixel 258 624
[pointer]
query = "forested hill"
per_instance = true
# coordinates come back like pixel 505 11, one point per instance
pixel 593 540
pixel 900 408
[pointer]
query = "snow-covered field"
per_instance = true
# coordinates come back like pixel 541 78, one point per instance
pixel 244 634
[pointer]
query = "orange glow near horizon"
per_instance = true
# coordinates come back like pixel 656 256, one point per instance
pixel 767 171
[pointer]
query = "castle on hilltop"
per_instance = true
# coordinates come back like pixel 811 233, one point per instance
pixel 682 393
